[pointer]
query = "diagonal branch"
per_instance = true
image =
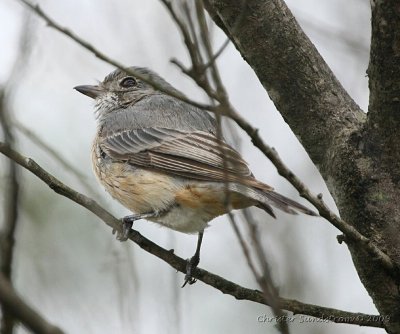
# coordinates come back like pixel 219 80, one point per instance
pixel 86 45
pixel 225 108
pixel 219 283
pixel 297 79
pixel 264 279
pixel 315 96
pixel 317 201
pixel 15 305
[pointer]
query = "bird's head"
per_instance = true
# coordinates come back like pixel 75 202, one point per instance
pixel 120 89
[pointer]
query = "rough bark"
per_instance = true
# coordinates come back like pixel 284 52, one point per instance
pixel 358 156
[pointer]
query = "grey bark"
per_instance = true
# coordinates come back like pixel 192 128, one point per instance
pixel 357 154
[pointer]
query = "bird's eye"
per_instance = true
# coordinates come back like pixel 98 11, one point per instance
pixel 128 82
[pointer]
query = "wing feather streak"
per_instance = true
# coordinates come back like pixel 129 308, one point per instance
pixel 197 154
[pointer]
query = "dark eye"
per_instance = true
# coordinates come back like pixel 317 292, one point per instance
pixel 128 82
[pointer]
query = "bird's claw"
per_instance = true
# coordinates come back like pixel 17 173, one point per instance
pixel 126 228
pixel 190 267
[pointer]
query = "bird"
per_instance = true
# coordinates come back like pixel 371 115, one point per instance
pixel 164 160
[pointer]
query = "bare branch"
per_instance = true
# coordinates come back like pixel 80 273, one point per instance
pixel 269 291
pixel 86 45
pixel 11 189
pixel 264 281
pixel 298 80
pixel 219 283
pixel 357 153
pixel 316 200
pixel 225 108
pixel 197 69
pixel 217 53
pixel 15 305
pixel 195 56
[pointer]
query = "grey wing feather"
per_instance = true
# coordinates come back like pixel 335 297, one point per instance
pixel 197 154
pixel 166 134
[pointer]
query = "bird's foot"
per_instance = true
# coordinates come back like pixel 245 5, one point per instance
pixel 190 267
pixel 127 223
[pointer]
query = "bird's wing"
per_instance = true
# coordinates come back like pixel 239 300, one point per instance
pixel 198 154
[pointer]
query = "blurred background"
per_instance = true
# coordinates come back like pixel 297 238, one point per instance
pixel 69 266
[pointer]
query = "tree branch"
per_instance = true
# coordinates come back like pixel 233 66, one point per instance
pixel 264 279
pixel 10 210
pixel 297 79
pixel 358 158
pixel 317 201
pixel 219 283
pixel 86 45
pixel 225 108
pixel 11 189
pixel 15 305
pixel 384 84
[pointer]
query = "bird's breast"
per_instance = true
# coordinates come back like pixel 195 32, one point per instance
pixel 139 190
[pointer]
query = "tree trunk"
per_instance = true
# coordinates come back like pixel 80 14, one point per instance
pixel 357 154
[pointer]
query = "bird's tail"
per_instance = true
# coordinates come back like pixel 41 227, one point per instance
pixel 266 199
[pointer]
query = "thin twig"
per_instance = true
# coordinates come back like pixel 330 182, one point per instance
pixel 195 56
pixel 217 54
pixel 316 200
pixel 219 283
pixel 225 108
pixel 197 70
pixel 15 305
pixel 86 45
pixel 265 280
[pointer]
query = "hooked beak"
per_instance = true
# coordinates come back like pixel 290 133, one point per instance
pixel 92 91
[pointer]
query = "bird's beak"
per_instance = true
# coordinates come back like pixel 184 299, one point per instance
pixel 89 90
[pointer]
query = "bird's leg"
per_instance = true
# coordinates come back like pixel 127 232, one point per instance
pixel 127 223
pixel 193 262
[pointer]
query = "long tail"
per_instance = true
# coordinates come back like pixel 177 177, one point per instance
pixel 267 198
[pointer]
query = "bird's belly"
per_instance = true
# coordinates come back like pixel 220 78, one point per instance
pixel 183 219
pixel 142 191
pixel 184 205
pixel 196 203
pixel 139 190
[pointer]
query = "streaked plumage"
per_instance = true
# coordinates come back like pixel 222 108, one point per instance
pixel 154 152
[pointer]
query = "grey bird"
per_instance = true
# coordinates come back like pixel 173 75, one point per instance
pixel 162 159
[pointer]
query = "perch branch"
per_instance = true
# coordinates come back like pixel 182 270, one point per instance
pixel 219 283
